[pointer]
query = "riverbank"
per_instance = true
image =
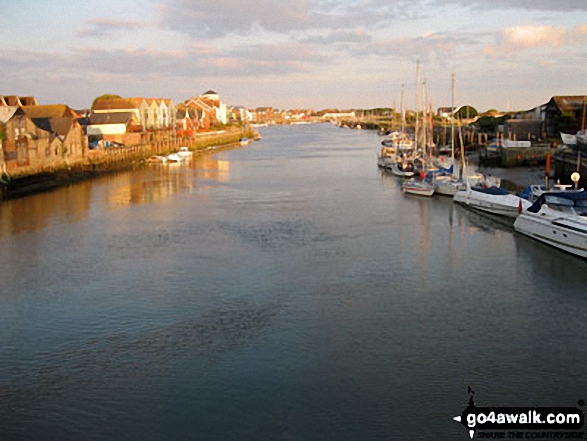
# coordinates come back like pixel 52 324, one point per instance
pixel 28 180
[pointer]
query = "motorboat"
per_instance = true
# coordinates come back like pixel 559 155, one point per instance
pixel 494 200
pixel 533 192
pixel 420 188
pixel 558 219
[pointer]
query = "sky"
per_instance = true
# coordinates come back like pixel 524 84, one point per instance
pixel 506 55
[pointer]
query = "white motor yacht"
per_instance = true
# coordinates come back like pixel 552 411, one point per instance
pixel 558 219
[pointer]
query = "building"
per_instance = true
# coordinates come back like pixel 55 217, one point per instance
pixel 212 98
pixel 524 129
pixel 264 115
pixel 565 114
pixel 114 127
pixel 444 112
pixel 149 113
pixel 40 136
pixel 17 101
pixel 201 114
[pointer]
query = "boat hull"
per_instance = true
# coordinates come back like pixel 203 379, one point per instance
pixel 448 188
pixel 502 205
pixel 557 232
pixel 418 188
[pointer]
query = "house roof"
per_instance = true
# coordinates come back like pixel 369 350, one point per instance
pixel 198 102
pixel 117 103
pixel 569 103
pixel 28 101
pixel 12 100
pixel 111 118
pixel 49 111
pixel 6 112
pixel 55 126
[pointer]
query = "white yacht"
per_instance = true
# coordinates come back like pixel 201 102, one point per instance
pixel 558 219
pixel 494 200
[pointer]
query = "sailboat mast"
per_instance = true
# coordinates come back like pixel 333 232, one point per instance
pixel 425 119
pixel 402 108
pixel 416 130
pixel 452 124
pixel 431 121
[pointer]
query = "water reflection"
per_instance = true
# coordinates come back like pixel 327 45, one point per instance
pixel 274 298
pixel 64 205
pixel 148 184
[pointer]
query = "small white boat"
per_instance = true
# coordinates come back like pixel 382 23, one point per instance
pixel 492 200
pixel 184 152
pixel 420 188
pixel 558 219
pixel 174 158
pixel 244 141
pixel 157 159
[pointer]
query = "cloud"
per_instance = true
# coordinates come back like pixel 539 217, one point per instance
pixel 358 35
pixel 104 26
pixel 196 61
pixel 219 18
pixel 523 38
pixel 431 44
pixel 533 5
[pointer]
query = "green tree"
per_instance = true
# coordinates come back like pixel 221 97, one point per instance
pixel 105 96
pixel 466 112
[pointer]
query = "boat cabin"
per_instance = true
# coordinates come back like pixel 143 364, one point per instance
pixel 571 202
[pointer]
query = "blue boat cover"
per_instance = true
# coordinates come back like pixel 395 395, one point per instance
pixel 575 198
pixel 497 191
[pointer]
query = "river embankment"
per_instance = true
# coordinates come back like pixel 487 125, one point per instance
pixel 28 180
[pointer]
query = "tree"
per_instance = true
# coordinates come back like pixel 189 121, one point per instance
pixel 466 112
pixel 105 96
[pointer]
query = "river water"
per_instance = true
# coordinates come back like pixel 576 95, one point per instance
pixel 286 290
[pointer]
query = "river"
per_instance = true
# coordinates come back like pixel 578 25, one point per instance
pixel 286 290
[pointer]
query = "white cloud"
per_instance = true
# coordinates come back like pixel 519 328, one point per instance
pixel 99 27
pixel 528 37
pixel 533 5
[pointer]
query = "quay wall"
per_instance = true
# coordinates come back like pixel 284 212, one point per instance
pixel 515 156
pixel 27 179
